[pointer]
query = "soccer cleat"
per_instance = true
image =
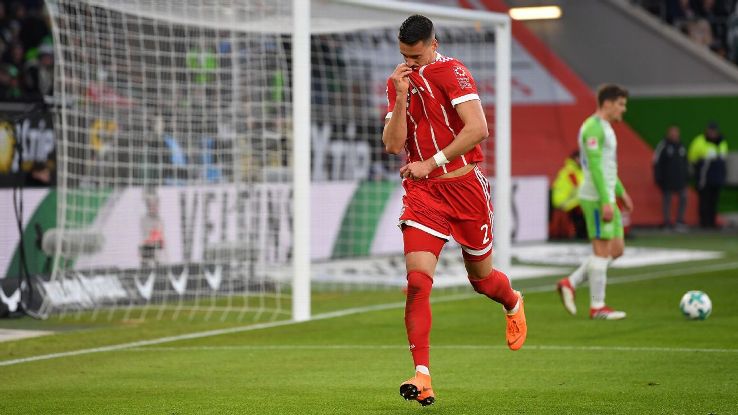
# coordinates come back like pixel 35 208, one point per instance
pixel 606 313
pixel 567 293
pixel 517 328
pixel 418 388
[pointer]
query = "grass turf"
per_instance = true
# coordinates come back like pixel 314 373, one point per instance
pixel 653 362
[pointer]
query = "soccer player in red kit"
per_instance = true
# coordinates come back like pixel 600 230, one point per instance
pixel 436 116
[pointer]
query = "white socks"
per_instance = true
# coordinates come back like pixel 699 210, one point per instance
pixel 597 271
pixel 422 369
pixel 580 274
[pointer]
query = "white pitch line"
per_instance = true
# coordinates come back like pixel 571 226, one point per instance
pixel 211 333
pixel 343 313
pixel 446 346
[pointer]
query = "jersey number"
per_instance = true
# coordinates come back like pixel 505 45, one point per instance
pixel 485 228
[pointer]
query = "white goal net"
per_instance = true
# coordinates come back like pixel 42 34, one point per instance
pixel 179 190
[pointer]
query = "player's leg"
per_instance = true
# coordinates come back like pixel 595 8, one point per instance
pixel 471 194
pixel 494 284
pixel 490 282
pixel 609 241
pixel 666 208
pixel 421 256
pixel 682 196
pixel 703 207
pixel 617 247
pixel 566 287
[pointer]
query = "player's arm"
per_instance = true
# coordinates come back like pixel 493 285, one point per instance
pixel 395 127
pixel 621 193
pixel 594 141
pixel 474 132
pixel 469 108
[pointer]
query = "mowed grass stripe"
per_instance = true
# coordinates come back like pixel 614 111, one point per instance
pixel 443 346
pixel 352 311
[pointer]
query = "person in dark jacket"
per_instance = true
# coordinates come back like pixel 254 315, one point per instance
pixel 670 170
pixel 707 154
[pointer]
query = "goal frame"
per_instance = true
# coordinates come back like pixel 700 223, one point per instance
pixel 502 191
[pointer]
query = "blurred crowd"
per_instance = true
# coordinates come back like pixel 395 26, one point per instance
pixel 26 51
pixel 27 59
pixel 711 23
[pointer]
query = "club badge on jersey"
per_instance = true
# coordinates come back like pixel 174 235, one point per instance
pixel 592 143
pixel 462 77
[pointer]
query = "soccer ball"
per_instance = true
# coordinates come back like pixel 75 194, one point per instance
pixel 695 305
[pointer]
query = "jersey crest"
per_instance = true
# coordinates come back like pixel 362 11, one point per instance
pixel 592 143
pixel 462 77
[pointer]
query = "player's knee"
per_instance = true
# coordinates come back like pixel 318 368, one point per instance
pixel 424 262
pixel 419 283
pixel 616 249
pixel 478 269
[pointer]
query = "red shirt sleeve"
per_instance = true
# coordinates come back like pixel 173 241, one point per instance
pixel 391 97
pixel 457 83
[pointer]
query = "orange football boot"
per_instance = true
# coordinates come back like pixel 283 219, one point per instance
pixel 517 328
pixel 418 388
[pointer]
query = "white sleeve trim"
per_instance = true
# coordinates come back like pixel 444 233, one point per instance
pixel 388 116
pixel 424 229
pixel 464 98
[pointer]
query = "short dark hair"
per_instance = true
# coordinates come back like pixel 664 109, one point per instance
pixel 610 92
pixel 416 28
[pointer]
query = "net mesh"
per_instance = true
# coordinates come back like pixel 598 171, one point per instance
pixel 175 138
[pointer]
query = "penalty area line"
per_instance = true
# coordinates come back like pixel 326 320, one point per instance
pixel 343 313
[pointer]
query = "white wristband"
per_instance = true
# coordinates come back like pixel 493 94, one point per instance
pixel 440 158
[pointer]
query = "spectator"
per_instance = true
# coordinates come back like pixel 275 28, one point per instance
pixel 39 73
pixel 25 50
pixel 715 13
pixel 670 170
pixel 703 21
pixel 9 83
pixel 11 28
pixel 567 220
pixel 731 34
pixel 700 31
pixel 4 33
pixel 34 29
pixel 15 55
pixel 679 12
pixel 707 154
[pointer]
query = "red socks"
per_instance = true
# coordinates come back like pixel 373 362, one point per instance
pixel 496 286
pixel 418 316
pixel 418 310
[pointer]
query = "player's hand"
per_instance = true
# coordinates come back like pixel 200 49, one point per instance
pixel 607 212
pixel 627 202
pixel 417 169
pixel 400 79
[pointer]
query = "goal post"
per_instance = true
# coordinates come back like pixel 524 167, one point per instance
pixel 224 159
pixel 502 132
pixel 301 170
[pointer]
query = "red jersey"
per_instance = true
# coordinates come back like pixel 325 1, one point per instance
pixel 432 122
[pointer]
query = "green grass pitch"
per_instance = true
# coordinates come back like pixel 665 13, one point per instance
pixel 654 362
